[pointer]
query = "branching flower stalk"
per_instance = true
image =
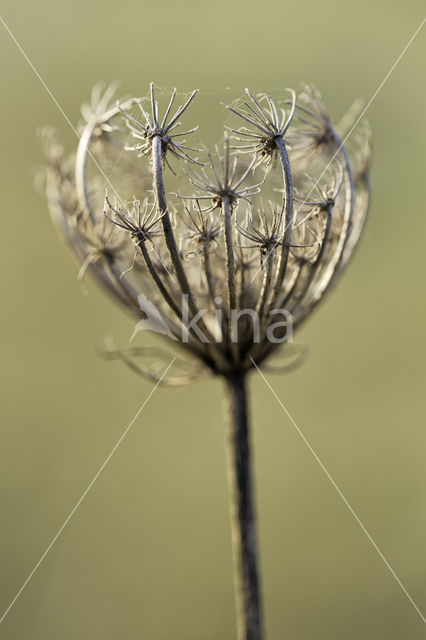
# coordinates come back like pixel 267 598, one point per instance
pixel 225 254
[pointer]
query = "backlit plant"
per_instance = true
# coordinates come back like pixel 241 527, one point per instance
pixel 225 251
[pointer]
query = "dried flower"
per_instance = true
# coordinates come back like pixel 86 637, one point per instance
pixel 207 261
pixel 288 253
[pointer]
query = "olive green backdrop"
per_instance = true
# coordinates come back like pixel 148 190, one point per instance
pixel 147 554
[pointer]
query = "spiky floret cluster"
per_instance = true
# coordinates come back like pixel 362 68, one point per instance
pixel 271 229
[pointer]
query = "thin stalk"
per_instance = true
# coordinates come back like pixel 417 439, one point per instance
pixel 242 513
pixel 350 193
pixel 212 292
pixel 82 187
pixel 230 270
pixel 313 270
pixel 293 284
pixel 153 272
pixel 241 285
pixel 288 191
pixel 261 306
pixel 83 192
pixel 288 234
pixel 316 264
pixel 230 258
pixel 209 276
pixel 267 278
pixel 334 264
pixel 160 193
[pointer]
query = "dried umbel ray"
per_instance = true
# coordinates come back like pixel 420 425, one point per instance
pixel 212 245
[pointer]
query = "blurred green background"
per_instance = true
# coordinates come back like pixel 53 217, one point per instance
pixel 148 555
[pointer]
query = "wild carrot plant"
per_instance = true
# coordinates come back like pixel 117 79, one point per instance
pixel 225 251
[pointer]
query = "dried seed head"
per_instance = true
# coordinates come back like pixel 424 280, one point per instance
pixel 214 257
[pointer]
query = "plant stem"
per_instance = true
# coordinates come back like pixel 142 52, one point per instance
pixel 243 524
pixel 288 229
pixel 230 260
pixel 160 193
